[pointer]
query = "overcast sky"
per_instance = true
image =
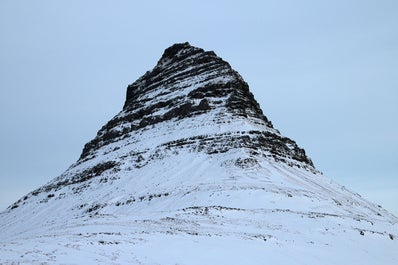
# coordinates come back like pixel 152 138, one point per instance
pixel 324 72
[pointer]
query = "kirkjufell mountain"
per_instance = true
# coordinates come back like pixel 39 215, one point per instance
pixel 191 171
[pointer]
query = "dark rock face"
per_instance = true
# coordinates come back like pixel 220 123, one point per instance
pixel 187 83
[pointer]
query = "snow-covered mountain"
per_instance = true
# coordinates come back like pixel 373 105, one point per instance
pixel 192 172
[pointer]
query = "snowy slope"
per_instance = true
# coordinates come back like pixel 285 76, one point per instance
pixel 192 172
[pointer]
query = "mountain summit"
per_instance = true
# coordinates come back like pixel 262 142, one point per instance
pixel 200 89
pixel 192 172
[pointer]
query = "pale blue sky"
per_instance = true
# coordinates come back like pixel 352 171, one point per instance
pixel 324 72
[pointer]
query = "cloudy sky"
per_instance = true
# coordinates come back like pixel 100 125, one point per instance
pixel 324 72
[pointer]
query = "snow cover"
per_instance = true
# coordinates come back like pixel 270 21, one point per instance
pixel 204 213
pixel 146 199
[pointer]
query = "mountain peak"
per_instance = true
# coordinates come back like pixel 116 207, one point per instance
pixel 181 51
pixel 192 166
pixel 191 84
pixel 176 49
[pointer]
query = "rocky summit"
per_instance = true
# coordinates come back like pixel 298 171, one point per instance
pixel 189 84
pixel 191 171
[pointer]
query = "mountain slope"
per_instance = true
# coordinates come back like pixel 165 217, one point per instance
pixel 192 172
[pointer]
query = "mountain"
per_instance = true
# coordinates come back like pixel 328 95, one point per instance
pixel 192 172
